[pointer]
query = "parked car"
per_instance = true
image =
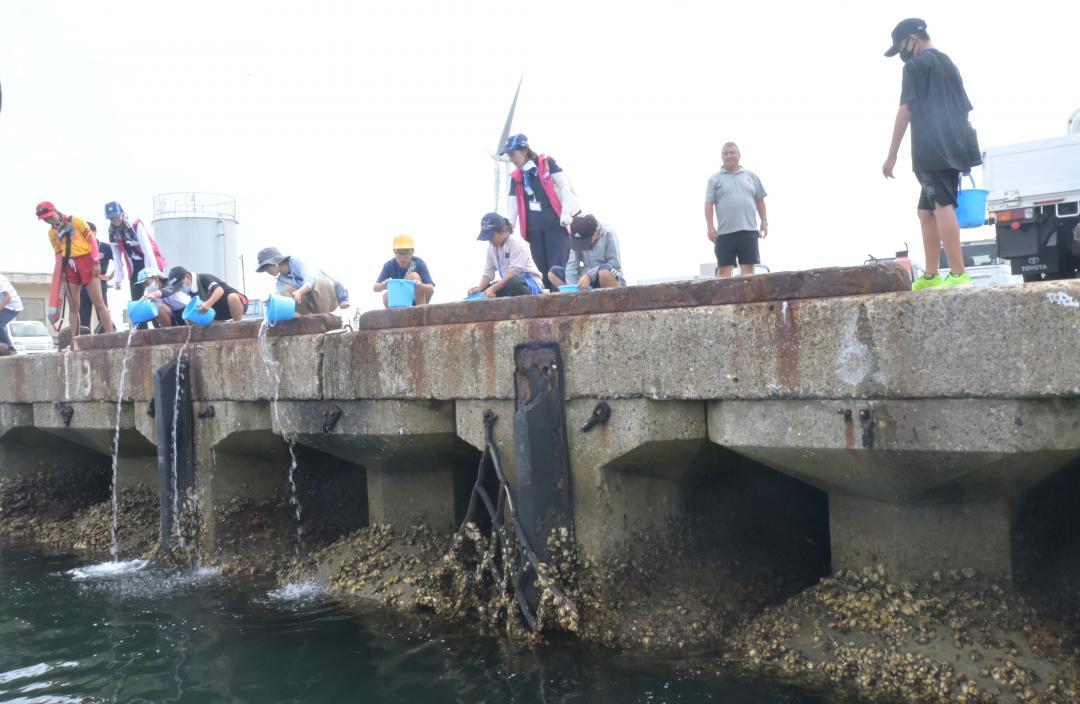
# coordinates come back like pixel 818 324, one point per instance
pixel 30 337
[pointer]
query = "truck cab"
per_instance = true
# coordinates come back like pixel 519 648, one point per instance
pixel 1034 204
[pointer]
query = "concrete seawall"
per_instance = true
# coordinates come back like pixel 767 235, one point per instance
pixel 923 417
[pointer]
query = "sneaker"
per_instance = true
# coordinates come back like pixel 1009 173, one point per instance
pixel 957 280
pixel 924 282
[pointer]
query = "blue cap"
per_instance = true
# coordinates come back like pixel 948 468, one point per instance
pixel 113 209
pixel 490 224
pixel 517 141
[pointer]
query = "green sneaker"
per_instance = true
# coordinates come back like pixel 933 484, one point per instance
pixel 924 282
pixel 953 280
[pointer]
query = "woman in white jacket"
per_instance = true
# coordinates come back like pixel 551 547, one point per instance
pixel 133 249
pixel 542 202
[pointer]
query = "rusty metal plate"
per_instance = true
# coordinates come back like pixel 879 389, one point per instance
pixel 218 332
pixel 784 286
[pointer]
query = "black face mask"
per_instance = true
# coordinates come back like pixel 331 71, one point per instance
pixel 907 54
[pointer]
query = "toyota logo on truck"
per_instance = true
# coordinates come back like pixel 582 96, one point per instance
pixel 1033 265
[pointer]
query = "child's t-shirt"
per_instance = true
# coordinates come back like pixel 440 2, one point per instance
pixel 391 270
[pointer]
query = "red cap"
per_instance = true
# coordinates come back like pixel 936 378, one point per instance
pixel 45 209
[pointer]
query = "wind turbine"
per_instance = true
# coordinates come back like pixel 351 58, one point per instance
pixel 499 158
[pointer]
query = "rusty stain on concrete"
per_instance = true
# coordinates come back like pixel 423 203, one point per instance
pixel 787 347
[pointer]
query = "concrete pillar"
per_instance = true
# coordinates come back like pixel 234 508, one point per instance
pixel 236 457
pixel 406 448
pixel 15 420
pixel 919 486
pixel 53 477
pixel 469 421
pixel 402 497
pixel 919 539
pixel 629 474
pixel 92 426
pixel 27 450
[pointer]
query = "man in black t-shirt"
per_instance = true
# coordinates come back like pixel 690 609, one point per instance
pixel 227 302
pixel 943 146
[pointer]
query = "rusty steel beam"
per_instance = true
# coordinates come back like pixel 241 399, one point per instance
pixel 218 332
pixel 785 286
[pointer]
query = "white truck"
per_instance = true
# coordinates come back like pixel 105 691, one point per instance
pixel 1034 204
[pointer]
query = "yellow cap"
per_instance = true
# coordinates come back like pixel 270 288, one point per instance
pixel 403 242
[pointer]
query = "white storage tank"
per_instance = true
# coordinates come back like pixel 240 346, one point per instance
pixel 198 232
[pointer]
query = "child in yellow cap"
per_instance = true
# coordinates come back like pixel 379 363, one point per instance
pixel 406 266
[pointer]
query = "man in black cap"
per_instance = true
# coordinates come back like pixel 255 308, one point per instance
pixel 226 301
pixel 943 146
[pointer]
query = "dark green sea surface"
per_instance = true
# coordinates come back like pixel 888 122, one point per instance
pixel 156 635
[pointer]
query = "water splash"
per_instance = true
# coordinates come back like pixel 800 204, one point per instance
pixel 142 579
pixel 273 372
pixel 113 549
pixel 112 568
pixel 174 471
pixel 305 591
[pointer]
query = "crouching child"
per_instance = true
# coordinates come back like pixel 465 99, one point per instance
pixel 406 265
pixel 594 257
pixel 226 301
pixel 510 258
pixel 170 307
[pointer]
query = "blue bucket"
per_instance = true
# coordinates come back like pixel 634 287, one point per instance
pixel 400 292
pixel 971 205
pixel 192 314
pixel 142 311
pixel 280 309
pixel 475 296
pixel 569 288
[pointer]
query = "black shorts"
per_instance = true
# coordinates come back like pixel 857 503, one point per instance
pixel 221 308
pixel 737 247
pixel 939 187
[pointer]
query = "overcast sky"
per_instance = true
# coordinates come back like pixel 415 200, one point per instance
pixel 338 124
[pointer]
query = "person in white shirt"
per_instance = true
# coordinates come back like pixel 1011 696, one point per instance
pixel 10 307
pixel 509 269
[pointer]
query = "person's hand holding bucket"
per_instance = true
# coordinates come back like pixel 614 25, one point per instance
pixel 280 308
pixel 195 313
pixel 142 311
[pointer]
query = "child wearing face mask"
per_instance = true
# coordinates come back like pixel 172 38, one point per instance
pixel 171 307
pixel 226 302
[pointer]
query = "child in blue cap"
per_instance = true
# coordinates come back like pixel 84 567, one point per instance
pixel 509 257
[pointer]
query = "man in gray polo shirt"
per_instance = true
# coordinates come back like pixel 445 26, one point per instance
pixel 736 198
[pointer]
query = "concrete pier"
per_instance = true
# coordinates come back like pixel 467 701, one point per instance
pixel 924 417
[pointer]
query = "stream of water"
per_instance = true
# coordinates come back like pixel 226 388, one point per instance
pixel 273 372
pixel 174 473
pixel 113 548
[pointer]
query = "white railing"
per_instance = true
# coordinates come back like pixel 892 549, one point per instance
pixel 213 205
